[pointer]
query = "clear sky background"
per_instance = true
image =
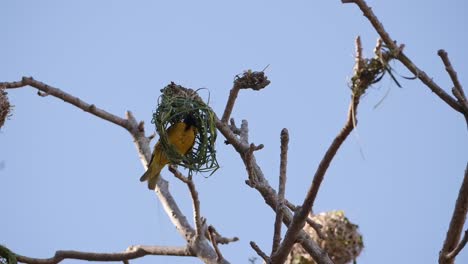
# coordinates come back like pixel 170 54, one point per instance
pixel 70 180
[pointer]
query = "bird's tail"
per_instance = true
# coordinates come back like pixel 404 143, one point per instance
pixel 151 175
pixel 145 175
pixel 152 182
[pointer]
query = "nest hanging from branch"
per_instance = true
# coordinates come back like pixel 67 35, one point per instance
pixel 370 71
pixel 341 239
pixel 175 103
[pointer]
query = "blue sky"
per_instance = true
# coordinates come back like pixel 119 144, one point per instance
pixel 70 180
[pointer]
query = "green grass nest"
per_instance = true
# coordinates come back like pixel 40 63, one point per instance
pixel 175 103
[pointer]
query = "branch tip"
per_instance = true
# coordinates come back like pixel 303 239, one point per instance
pixel 141 126
pixel 259 252
pixel 281 191
pixel 213 237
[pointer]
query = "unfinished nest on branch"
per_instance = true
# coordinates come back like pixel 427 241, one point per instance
pixel 371 71
pixel 174 105
pixel 5 107
pixel 341 239
pixel 251 79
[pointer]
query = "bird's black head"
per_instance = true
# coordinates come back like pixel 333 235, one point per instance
pixel 190 120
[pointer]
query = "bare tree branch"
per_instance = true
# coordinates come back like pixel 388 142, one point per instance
pixel 233 127
pixel 223 240
pixel 259 252
pixel 452 73
pixel 316 226
pixel 457 90
pixel 230 103
pixel 250 79
pixel 250 164
pixel 132 252
pixel 213 237
pixel 460 246
pixel 91 108
pixel 231 137
pixel 358 59
pixel 195 200
pixel 281 190
pixel 398 54
pixel 456 224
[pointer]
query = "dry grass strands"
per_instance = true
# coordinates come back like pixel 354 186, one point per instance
pixel 371 71
pixel 175 103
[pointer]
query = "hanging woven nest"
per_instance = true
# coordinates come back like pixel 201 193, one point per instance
pixel 174 105
pixel 342 240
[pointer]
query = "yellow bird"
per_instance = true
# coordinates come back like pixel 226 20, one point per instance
pixel 182 136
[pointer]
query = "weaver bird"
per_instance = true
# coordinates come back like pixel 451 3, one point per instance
pixel 182 136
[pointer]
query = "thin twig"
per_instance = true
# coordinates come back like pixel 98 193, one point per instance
pixel 231 137
pixel 290 205
pixel 398 54
pixel 223 240
pixel 316 226
pixel 233 127
pixel 300 217
pixel 250 164
pixel 451 71
pixel 259 252
pixel 91 108
pixel 358 63
pixel 13 85
pixel 244 132
pixel 131 253
pixel 178 174
pixel 459 247
pixel 281 190
pixel 195 199
pixel 457 89
pixel 249 79
pixel 456 223
pixel 213 237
